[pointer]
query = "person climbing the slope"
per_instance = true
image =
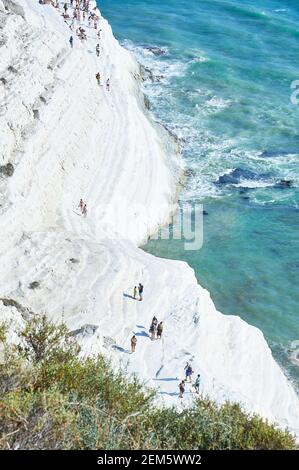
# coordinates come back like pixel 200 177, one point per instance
pixel 98 50
pixel 81 205
pixel 140 291
pixel 108 84
pixel 98 78
pixel 71 41
pixel 153 331
pixel 182 388
pixel 133 343
pixel 197 384
pixel 135 292
pixel 188 371
pixel 84 210
pixel 159 330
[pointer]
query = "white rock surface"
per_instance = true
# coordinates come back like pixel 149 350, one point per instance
pixel 67 138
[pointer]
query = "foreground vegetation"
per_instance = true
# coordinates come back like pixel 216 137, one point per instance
pixel 53 399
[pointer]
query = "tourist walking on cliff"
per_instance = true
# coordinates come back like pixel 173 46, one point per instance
pixel 188 371
pixel 71 41
pixel 182 388
pixel 108 84
pixel 153 328
pixel 65 7
pixel 197 384
pixel 98 50
pixel 159 330
pixel 135 292
pixel 84 210
pixel 133 343
pixel 98 78
pixel 140 291
pixel 152 331
pixel 81 205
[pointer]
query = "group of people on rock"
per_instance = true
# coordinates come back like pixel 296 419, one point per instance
pixel 82 7
pixel 98 79
pixel 156 329
pixel 81 33
pixel 188 378
pixel 188 369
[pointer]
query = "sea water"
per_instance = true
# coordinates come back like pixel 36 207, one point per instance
pixel 222 72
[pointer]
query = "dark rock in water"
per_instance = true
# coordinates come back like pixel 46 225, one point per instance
pixel 147 102
pixel 147 74
pixel 156 50
pixel 34 285
pixel 238 174
pixel 245 198
pixel 244 190
pixel 205 212
pixel 7 170
pixel 282 184
pixel 173 135
pixel 274 153
pixel 189 172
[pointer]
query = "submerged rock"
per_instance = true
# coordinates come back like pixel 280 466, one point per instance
pixel 189 172
pixel 274 153
pixel 238 174
pixel 234 176
pixel 156 50
pixel 147 103
pixel 282 184
pixel 147 74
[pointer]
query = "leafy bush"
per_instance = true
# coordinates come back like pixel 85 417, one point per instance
pixel 54 399
pixel 45 341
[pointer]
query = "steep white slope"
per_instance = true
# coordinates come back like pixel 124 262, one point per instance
pixel 67 138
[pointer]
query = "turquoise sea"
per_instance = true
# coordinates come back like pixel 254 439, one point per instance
pixel 222 73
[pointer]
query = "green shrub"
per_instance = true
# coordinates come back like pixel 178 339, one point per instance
pixel 42 340
pixel 53 399
pixel 3 331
